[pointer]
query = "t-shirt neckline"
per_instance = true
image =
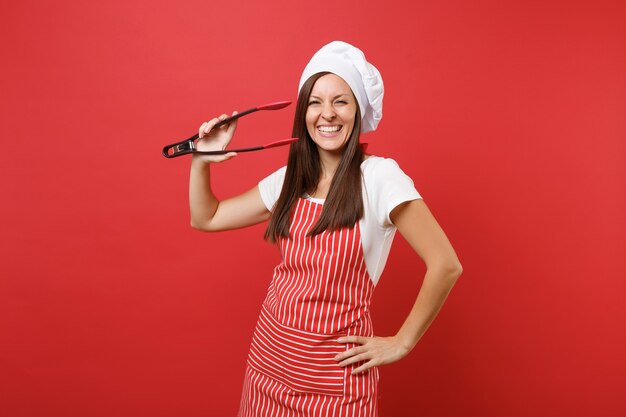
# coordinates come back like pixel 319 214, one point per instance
pixel 313 199
pixel 322 200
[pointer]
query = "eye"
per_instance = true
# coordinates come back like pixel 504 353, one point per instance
pixel 342 102
pixel 312 102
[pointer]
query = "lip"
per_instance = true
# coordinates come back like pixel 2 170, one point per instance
pixel 329 134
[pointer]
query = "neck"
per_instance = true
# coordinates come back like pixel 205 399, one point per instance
pixel 329 163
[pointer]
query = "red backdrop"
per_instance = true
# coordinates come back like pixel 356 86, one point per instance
pixel 509 116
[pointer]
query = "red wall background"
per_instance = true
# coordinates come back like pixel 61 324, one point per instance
pixel 509 116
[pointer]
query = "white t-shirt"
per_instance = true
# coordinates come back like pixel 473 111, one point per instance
pixel 385 186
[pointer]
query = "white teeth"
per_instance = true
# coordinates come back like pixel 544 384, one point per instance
pixel 329 129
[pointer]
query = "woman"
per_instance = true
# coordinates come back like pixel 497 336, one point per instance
pixel 333 211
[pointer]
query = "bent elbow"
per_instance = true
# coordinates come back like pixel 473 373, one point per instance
pixel 453 270
pixel 198 226
pixel 458 270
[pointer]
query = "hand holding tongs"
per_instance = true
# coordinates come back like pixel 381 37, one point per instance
pixel 189 146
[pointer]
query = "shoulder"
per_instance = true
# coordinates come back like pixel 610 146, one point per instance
pixel 276 176
pixel 280 171
pixel 270 186
pixel 386 186
pixel 376 168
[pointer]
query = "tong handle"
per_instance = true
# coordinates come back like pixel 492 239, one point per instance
pixel 225 151
pixel 188 145
pixel 180 148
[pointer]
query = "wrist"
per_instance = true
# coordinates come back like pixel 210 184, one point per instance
pixel 406 342
pixel 197 161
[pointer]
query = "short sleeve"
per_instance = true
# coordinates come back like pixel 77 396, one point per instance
pixel 390 187
pixel 270 187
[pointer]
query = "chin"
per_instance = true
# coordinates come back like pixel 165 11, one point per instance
pixel 333 149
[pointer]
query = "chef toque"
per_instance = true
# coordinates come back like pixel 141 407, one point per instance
pixel 349 63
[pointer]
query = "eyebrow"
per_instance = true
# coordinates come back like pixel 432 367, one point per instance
pixel 334 98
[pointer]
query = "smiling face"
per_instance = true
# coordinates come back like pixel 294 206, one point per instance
pixel 330 113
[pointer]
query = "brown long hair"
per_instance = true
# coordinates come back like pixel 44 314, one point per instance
pixel 344 204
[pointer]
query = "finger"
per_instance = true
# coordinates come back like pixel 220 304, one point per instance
pixel 354 359
pixel 218 158
pixel 363 368
pixel 232 125
pixel 204 129
pixel 221 118
pixel 209 125
pixel 353 339
pixel 227 156
pixel 201 129
pixel 350 352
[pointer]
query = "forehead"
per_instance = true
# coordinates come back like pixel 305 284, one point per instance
pixel 330 84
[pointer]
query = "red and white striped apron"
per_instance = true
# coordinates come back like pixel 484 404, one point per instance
pixel 320 291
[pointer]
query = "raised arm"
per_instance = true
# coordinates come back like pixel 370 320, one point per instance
pixel 207 212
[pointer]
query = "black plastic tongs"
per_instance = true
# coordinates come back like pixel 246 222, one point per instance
pixel 188 146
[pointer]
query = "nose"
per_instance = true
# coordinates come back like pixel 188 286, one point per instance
pixel 328 112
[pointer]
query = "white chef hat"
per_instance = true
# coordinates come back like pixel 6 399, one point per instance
pixel 349 63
